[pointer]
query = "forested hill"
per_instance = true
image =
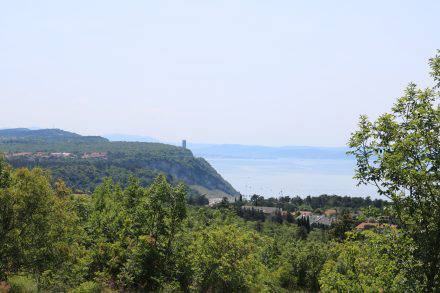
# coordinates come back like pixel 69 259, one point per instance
pixel 82 161
pixel 27 135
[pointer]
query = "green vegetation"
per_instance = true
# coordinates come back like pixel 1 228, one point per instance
pixel 371 262
pixel 400 154
pixel 22 284
pixel 44 148
pixel 317 202
pixel 137 238
pixel 148 239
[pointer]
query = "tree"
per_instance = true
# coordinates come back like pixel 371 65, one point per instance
pixel 277 217
pixel 110 229
pixel 5 173
pixel 257 200
pixel 134 232
pixel 290 218
pixel 304 222
pixel 344 223
pixel 226 259
pixel 371 262
pixel 224 204
pixel 61 189
pixel 157 219
pixel 301 263
pixel 399 153
pixel 38 231
pixel 197 199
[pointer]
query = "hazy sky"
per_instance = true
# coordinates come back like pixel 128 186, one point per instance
pixel 250 72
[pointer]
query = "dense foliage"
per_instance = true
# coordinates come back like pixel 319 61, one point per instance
pixel 148 239
pixel 310 203
pixel 399 153
pixel 371 262
pixel 122 160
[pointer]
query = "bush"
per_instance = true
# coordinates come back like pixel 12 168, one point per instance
pixel 372 262
pixel 22 284
pixel 87 287
pixel 227 259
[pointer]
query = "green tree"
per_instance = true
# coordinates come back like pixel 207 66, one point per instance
pixel 158 218
pixel 371 212
pixel 5 173
pixel 109 228
pixel 290 218
pixel 257 200
pixel 301 263
pixel 227 259
pixel 61 189
pixel 371 262
pixel 343 224
pixel 399 153
pixel 38 232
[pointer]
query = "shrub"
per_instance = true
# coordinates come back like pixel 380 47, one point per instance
pixel 87 287
pixel 22 284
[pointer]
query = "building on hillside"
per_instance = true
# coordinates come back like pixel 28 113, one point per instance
pixel 61 155
pixel 330 212
pixel 367 225
pixel 22 154
pixel 304 214
pixel 95 155
pixel 372 225
pixel 214 201
pixel 266 210
pixel 41 155
pixel 184 143
pixel 320 220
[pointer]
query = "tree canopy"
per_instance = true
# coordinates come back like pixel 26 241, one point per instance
pixel 399 153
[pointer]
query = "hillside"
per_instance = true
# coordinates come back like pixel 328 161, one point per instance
pixel 82 161
pixel 24 135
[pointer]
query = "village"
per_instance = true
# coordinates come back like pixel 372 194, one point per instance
pixel 325 218
pixel 319 218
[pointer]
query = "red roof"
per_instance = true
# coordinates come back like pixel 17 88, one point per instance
pixel 367 225
pixel 305 213
pixel 330 212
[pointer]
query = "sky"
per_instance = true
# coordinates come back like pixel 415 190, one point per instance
pixel 246 72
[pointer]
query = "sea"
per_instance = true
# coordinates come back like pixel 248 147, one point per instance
pixel 291 176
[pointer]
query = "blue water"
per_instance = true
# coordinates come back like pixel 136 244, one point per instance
pixel 281 177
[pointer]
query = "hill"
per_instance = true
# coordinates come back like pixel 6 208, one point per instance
pixel 83 161
pixel 25 135
pixel 238 151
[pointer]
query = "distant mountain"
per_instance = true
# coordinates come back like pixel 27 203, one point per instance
pixel 83 161
pixel 128 137
pixel 234 151
pixel 24 134
pixel 238 151
pixel 44 133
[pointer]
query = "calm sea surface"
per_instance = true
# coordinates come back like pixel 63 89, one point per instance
pixel 276 177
